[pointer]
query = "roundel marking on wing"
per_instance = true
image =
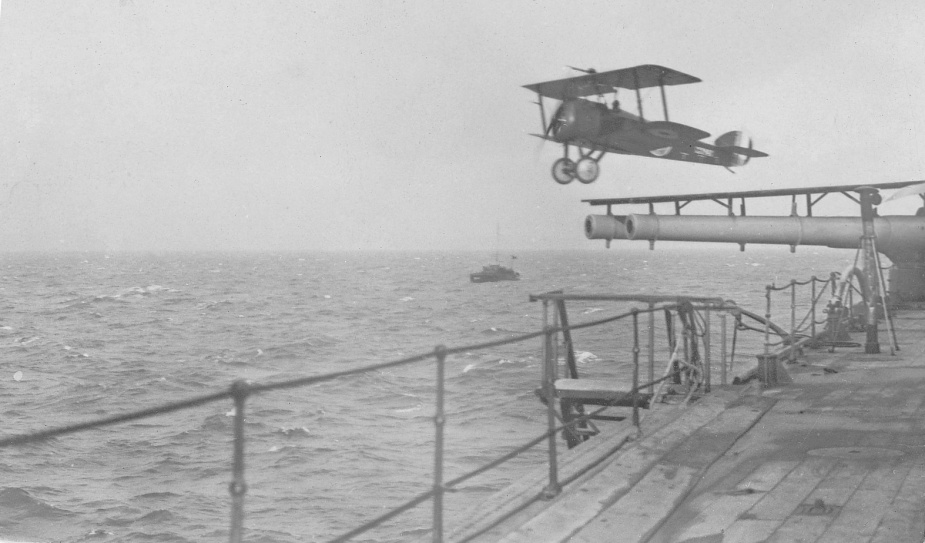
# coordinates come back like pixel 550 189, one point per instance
pixel 666 133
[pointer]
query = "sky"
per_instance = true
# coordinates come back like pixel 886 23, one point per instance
pixel 154 125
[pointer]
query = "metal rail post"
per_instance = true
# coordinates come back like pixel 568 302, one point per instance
pixel 439 422
pixel 635 367
pixel 722 348
pixel 549 390
pixel 555 341
pixel 651 346
pixel 793 318
pixel 706 348
pixel 672 345
pixel 767 333
pixel 894 346
pixel 850 301
pixel 544 377
pixel 869 198
pixel 686 338
pixel 812 309
pixel 237 488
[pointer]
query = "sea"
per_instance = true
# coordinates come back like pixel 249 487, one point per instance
pixel 88 335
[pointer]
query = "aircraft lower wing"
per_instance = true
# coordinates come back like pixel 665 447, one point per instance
pixel 677 149
pixel 674 131
pixel 586 145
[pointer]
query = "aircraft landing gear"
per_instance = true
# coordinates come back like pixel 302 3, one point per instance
pixel 587 170
pixel 563 171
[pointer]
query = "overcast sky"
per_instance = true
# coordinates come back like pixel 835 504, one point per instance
pixel 292 124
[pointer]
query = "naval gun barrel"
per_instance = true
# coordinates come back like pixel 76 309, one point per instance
pixel 898 237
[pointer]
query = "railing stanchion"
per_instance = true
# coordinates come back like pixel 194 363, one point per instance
pixel 793 319
pixel 439 422
pixel 767 332
pixel 555 342
pixel 237 488
pixel 706 348
pixel 549 390
pixel 635 367
pixel 672 345
pixel 722 348
pixel 651 347
pixel 686 339
pixel 850 298
pixel 812 310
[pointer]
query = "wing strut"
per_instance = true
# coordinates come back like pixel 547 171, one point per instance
pixel 638 95
pixel 661 85
pixel 542 112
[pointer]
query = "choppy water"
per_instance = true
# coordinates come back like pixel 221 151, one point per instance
pixel 86 335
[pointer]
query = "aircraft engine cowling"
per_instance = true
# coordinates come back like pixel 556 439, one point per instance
pixel 736 138
pixel 578 120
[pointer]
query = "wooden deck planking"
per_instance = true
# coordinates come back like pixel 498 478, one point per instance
pixel 642 508
pixel 572 511
pixel 839 484
pixel 793 477
pixel 859 518
pixel 722 510
pixel 750 531
pixel 905 517
pixel 786 496
pixel 800 529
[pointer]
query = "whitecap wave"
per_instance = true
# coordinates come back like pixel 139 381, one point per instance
pixel 583 357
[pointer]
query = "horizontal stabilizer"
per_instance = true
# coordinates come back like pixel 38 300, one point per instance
pixel 745 151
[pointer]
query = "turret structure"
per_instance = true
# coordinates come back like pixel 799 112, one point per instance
pixel 899 238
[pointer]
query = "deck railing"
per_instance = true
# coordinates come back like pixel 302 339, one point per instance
pixel 680 364
pixel 805 330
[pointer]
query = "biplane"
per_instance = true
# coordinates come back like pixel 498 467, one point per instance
pixel 597 126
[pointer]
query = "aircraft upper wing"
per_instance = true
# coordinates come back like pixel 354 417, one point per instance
pixel 637 77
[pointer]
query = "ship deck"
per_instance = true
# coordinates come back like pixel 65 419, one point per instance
pixel 836 456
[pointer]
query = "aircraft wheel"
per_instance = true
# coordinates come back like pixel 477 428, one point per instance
pixel 563 171
pixel 587 170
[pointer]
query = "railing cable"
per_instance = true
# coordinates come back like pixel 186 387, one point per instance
pixel 693 323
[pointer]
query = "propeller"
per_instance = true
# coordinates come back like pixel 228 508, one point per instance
pixel 908 191
pixel 747 157
pixel 556 120
pixel 750 147
pixel 554 123
pixel 538 151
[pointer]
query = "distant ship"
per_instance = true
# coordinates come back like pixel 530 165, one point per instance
pixel 494 272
